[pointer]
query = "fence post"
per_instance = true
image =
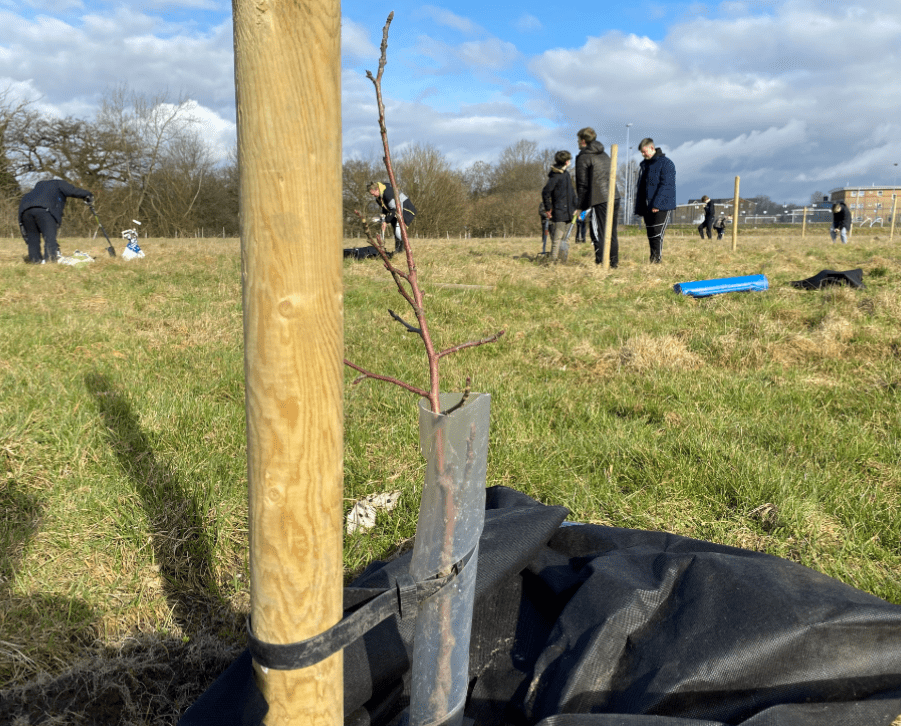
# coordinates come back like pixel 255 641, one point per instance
pixel 804 224
pixel 735 218
pixel 288 93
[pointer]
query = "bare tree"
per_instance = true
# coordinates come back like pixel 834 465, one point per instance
pixel 12 110
pixel 478 179
pixel 437 190
pixel 155 131
pixel 357 174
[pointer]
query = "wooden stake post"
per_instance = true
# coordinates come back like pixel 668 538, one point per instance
pixel 804 223
pixel 287 75
pixel 735 218
pixel 894 206
pixel 611 202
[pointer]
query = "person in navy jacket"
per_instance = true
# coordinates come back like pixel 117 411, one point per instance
pixel 655 194
pixel 41 213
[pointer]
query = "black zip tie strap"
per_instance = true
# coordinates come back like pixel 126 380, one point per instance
pixel 402 599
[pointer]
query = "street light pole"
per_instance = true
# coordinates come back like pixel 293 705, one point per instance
pixel 627 210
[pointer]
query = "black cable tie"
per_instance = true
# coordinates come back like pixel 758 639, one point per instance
pixel 403 599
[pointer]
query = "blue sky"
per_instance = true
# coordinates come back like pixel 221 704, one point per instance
pixel 793 96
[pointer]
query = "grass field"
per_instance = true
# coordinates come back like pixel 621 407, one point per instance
pixel 767 420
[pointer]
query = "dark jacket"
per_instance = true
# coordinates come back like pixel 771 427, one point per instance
pixel 656 188
pixel 51 195
pixel 593 176
pixel 709 212
pixel 558 196
pixel 842 218
pixel 389 206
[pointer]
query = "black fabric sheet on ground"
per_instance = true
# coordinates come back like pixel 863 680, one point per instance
pixel 586 625
pixel 363 253
pixel 824 278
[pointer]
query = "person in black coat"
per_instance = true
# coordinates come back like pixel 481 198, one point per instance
pixel 41 213
pixel 841 222
pixel 558 201
pixel 385 198
pixel 709 214
pixel 592 192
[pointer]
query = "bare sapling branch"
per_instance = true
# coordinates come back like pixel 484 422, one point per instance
pixel 407 281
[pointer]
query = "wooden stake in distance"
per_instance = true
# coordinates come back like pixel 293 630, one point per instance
pixel 804 223
pixel 287 78
pixel 611 200
pixel 735 218
pixel 894 206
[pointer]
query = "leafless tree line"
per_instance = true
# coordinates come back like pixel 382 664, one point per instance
pixel 143 157
pixel 146 158
pixel 485 199
pixel 495 199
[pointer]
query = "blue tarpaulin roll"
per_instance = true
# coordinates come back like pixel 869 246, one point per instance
pixel 703 288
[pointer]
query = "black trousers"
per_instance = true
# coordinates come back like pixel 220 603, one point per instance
pixel 36 222
pixel 708 226
pixel 596 227
pixel 656 222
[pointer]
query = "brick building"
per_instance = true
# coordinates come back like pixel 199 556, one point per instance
pixel 868 203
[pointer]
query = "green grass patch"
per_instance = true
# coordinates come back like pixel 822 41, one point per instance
pixel 768 420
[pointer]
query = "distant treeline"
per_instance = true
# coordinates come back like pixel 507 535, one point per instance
pixel 146 158
pixel 142 158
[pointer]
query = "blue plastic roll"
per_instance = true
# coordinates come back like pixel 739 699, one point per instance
pixel 703 288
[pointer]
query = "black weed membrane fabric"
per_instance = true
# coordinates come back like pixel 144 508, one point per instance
pixel 827 278
pixel 585 625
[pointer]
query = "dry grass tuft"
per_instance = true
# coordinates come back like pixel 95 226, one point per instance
pixel 649 352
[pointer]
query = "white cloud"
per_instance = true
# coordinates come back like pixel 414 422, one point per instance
pixel 355 43
pixel 772 92
pixel 219 133
pixel 449 19
pixel 77 62
pixel 528 23
pixel 493 54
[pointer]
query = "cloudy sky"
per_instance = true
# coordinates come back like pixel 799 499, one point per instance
pixel 794 96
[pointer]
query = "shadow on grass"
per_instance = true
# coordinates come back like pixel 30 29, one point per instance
pixel 46 625
pixel 182 541
pixel 148 680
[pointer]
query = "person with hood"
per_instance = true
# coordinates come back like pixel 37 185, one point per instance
pixel 558 203
pixel 41 213
pixel 385 198
pixel 592 191
pixel 709 214
pixel 841 222
pixel 720 227
pixel 655 194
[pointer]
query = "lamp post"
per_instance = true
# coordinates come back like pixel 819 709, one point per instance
pixel 627 210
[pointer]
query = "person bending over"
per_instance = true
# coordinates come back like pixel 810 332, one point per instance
pixel 841 222
pixel 41 213
pixel 385 198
